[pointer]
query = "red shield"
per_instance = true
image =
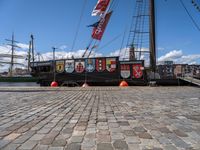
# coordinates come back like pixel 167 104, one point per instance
pixel 125 70
pixel 100 64
pixel 137 72
pixel 79 66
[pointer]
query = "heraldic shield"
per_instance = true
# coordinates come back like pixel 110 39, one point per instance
pixel 90 65
pixel 69 66
pixel 137 72
pixel 60 66
pixel 111 64
pixel 100 64
pixel 79 66
pixel 125 71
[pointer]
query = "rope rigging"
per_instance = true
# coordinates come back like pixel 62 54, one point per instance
pixel 138 32
pixel 79 23
pixel 191 18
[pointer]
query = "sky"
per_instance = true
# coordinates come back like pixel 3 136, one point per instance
pixel 54 23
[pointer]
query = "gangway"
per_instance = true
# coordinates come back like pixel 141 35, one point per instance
pixel 191 80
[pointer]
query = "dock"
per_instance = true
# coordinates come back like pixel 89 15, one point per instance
pixel 191 80
pixel 100 118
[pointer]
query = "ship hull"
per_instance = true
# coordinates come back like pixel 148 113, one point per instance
pixel 107 71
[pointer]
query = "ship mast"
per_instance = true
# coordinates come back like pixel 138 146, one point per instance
pixel 152 36
pixel 141 40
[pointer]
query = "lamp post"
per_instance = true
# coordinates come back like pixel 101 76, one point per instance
pixel 54 83
pixel 54 64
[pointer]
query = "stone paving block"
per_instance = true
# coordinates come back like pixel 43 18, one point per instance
pixel 56 148
pixel 180 133
pixel 28 145
pixel 67 130
pixel 12 136
pixel 105 132
pixel 48 139
pixel 73 146
pixel 3 143
pixel 170 147
pixel 164 130
pixel 22 130
pixel 88 144
pixel 59 143
pixel 120 145
pixel 78 133
pixel 129 133
pixel 103 138
pixel 164 141
pixel 145 135
pixel 123 123
pixel 37 137
pixel 76 139
pixel 139 129
pixel 11 147
pixel 132 140
pixel 4 133
pixel 104 146
pixel 41 147
pixel 90 136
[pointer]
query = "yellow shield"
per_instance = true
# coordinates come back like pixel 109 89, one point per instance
pixel 60 66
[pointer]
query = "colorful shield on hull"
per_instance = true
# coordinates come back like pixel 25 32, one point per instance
pixel 79 66
pixel 90 65
pixel 111 64
pixel 137 72
pixel 60 66
pixel 100 64
pixel 125 71
pixel 69 66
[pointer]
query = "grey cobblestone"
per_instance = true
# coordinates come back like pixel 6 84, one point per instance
pixel 100 118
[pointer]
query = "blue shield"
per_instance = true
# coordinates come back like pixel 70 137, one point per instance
pixel 90 65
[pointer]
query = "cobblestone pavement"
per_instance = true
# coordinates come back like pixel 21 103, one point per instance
pixel 100 118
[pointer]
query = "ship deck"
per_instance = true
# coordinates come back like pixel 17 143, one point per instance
pixel 102 118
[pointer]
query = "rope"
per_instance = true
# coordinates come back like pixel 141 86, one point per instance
pixel 123 38
pixel 79 23
pixel 192 19
pixel 92 48
pixel 88 47
pixel 108 43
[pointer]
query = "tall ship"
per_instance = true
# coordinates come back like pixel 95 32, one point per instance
pixel 107 70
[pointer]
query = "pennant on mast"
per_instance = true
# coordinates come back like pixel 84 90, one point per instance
pixel 98 31
pixel 100 7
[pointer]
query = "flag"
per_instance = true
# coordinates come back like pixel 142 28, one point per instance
pixel 94 25
pixel 100 7
pixel 98 31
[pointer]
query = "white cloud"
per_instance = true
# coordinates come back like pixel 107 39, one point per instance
pixel 64 54
pixel 178 57
pixel 171 55
pixel 23 46
pixel 43 56
pixel 175 55
pixel 63 47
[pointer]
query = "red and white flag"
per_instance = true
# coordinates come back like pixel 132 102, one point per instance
pixel 100 7
pixel 98 31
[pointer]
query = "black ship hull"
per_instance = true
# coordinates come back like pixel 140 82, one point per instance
pixel 105 71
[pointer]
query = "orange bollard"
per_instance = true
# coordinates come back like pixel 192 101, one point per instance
pixel 54 84
pixel 123 84
pixel 85 85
